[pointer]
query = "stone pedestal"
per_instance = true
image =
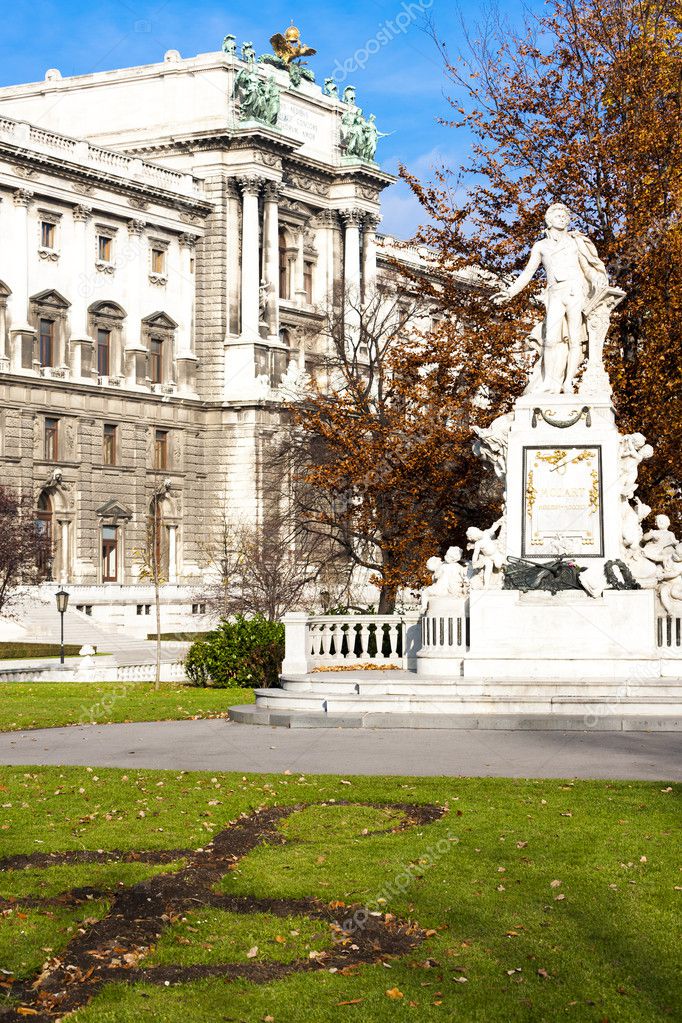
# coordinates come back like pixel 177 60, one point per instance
pixel 563 480
pixel 569 635
pixel 444 636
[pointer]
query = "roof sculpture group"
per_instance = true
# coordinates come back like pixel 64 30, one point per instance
pixel 259 98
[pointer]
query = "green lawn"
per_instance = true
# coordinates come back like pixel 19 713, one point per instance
pixel 50 704
pixel 223 897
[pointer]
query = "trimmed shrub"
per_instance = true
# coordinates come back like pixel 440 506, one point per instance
pixel 245 652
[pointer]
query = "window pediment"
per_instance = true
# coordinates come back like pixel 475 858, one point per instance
pixel 109 310
pixel 114 510
pixel 160 321
pixel 51 298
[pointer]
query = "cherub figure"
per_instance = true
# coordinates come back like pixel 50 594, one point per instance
pixel 486 551
pixel 449 577
pixel 671 582
pixel 633 450
pixel 659 542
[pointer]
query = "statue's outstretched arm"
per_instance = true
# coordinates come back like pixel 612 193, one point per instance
pixel 526 276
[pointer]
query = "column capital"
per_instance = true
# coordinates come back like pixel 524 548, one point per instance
pixel 81 214
pixel 326 218
pixel 137 227
pixel 250 184
pixel 371 221
pixel 272 191
pixel 352 217
pixel 23 197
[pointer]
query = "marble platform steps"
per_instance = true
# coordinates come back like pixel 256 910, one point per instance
pixel 400 699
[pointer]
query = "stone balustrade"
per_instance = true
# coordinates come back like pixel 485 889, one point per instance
pixel 39 139
pixel 102 671
pixel 319 641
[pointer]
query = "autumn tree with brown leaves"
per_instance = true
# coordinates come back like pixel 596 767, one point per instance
pixel 381 445
pixel 584 107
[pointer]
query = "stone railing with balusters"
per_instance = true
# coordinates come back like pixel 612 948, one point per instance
pixel 31 137
pixel 319 641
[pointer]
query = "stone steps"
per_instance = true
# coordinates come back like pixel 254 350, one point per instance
pixel 652 722
pixel 457 688
pixel 393 699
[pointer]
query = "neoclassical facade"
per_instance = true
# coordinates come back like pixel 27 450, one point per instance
pixel 167 259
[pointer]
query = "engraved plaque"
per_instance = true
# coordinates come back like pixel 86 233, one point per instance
pixel 562 502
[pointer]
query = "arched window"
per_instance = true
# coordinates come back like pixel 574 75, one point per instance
pixel 45 528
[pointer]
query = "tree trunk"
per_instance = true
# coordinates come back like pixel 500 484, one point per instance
pixel 387 600
pixel 157 601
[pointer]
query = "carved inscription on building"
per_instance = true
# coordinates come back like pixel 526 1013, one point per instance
pixel 562 502
pixel 300 123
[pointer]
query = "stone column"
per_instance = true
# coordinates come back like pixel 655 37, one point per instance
pixel 271 255
pixel 369 253
pixel 172 554
pixel 250 276
pixel 299 269
pixel 20 328
pixel 351 259
pixel 80 342
pixel 323 289
pixel 134 354
pixel 64 550
pixel 185 358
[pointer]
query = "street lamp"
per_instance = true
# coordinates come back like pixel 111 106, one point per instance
pixel 62 599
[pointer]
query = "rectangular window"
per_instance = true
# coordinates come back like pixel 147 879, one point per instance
pixel 104 248
pixel 156 360
pixel 51 440
pixel 308 282
pixel 47 234
pixel 109 444
pixel 46 343
pixel 158 261
pixel 109 554
pixel 103 352
pixel 161 449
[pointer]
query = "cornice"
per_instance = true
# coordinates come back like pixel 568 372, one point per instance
pixel 87 176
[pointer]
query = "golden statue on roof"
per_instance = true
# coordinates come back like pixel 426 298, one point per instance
pixel 289 47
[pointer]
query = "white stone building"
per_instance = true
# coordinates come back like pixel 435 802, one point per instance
pixel 165 260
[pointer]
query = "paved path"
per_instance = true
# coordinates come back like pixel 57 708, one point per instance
pixel 220 745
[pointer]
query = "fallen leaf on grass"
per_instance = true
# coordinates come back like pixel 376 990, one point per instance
pixel 252 953
pixel 542 973
pixel 351 1001
pixel 554 884
pixel 559 898
pixel 394 992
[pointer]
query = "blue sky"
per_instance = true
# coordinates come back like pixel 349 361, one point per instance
pixel 382 45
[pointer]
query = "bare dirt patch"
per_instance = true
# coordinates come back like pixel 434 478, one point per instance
pixel 113 948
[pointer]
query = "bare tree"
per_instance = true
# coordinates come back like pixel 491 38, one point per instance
pixel 24 550
pixel 267 568
pixel 149 558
